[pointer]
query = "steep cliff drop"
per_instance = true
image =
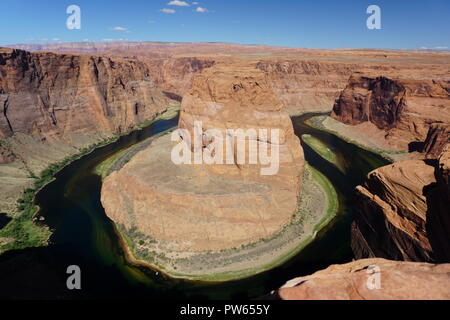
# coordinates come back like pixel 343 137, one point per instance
pixel 53 106
pixel 437 138
pixel 406 112
pixel 403 212
pixel 54 95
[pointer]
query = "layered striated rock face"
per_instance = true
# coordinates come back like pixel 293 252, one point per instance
pixel 437 138
pixel 304 79
pixel 402 212
pixel 52 105
pixel 404 109
pixel 196 208
pixel 52 95
pixel 224 100
pixel 371 279
pixel 177 74
pixel 306 85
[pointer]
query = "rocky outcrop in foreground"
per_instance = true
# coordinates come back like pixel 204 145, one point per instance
pixel 371 279
pixel 405 110
pixel 402 212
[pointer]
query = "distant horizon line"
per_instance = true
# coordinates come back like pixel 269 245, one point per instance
pixel 424 49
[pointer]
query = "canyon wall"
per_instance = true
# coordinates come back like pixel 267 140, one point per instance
pixel 176 74
pixel 49 95
pixel 438 200
pixel 407 111
pixel 304 79
pixel 402 212
pixel 52 105
pixel 306 85
pixel 437 138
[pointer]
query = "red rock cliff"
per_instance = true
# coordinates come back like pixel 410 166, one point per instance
pixel 50 94
pixel 402 212
pixel 404 109
pixel 437 138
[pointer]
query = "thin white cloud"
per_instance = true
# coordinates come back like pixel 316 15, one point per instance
pixel 434 48
pixel 151 21
pixel 169 11
pixel 178 3
pixel 201 10
pixel 194 3
pixel 121 29
pixel 56 39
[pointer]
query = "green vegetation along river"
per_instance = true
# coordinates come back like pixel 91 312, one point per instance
pixel 84 236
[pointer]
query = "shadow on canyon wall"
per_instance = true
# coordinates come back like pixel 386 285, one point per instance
pixel 438 214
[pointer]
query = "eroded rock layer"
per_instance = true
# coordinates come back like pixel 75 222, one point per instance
pixel 304 79
pixel 49 94
pixel 372 279
pixel 437 138
pixel 404 109
pixel 403 212
pixel 52 105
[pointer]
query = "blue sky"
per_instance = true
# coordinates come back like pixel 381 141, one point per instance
pixel 295 23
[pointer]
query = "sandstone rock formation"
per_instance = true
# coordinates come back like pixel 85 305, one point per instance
pixel 176 74
pixel 50 95
pixel 402 212
pixel 195 208
pixel 304 79
pixel 243 100
pixel 358 280
pixel 54 104
pixel 437 138
pixel 304 85
pixel 404 109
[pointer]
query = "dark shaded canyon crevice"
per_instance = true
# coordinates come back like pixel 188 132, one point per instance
pixel 5 114
pixel 438 214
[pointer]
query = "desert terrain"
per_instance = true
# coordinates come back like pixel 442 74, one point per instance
pixel 62 101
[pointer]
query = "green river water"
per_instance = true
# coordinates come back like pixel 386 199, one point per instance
pixel 84 236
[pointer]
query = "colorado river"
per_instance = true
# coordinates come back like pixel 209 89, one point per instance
pixel 84 236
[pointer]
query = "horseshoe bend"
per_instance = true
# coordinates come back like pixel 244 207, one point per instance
pixel 185 214
pixel 116 156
